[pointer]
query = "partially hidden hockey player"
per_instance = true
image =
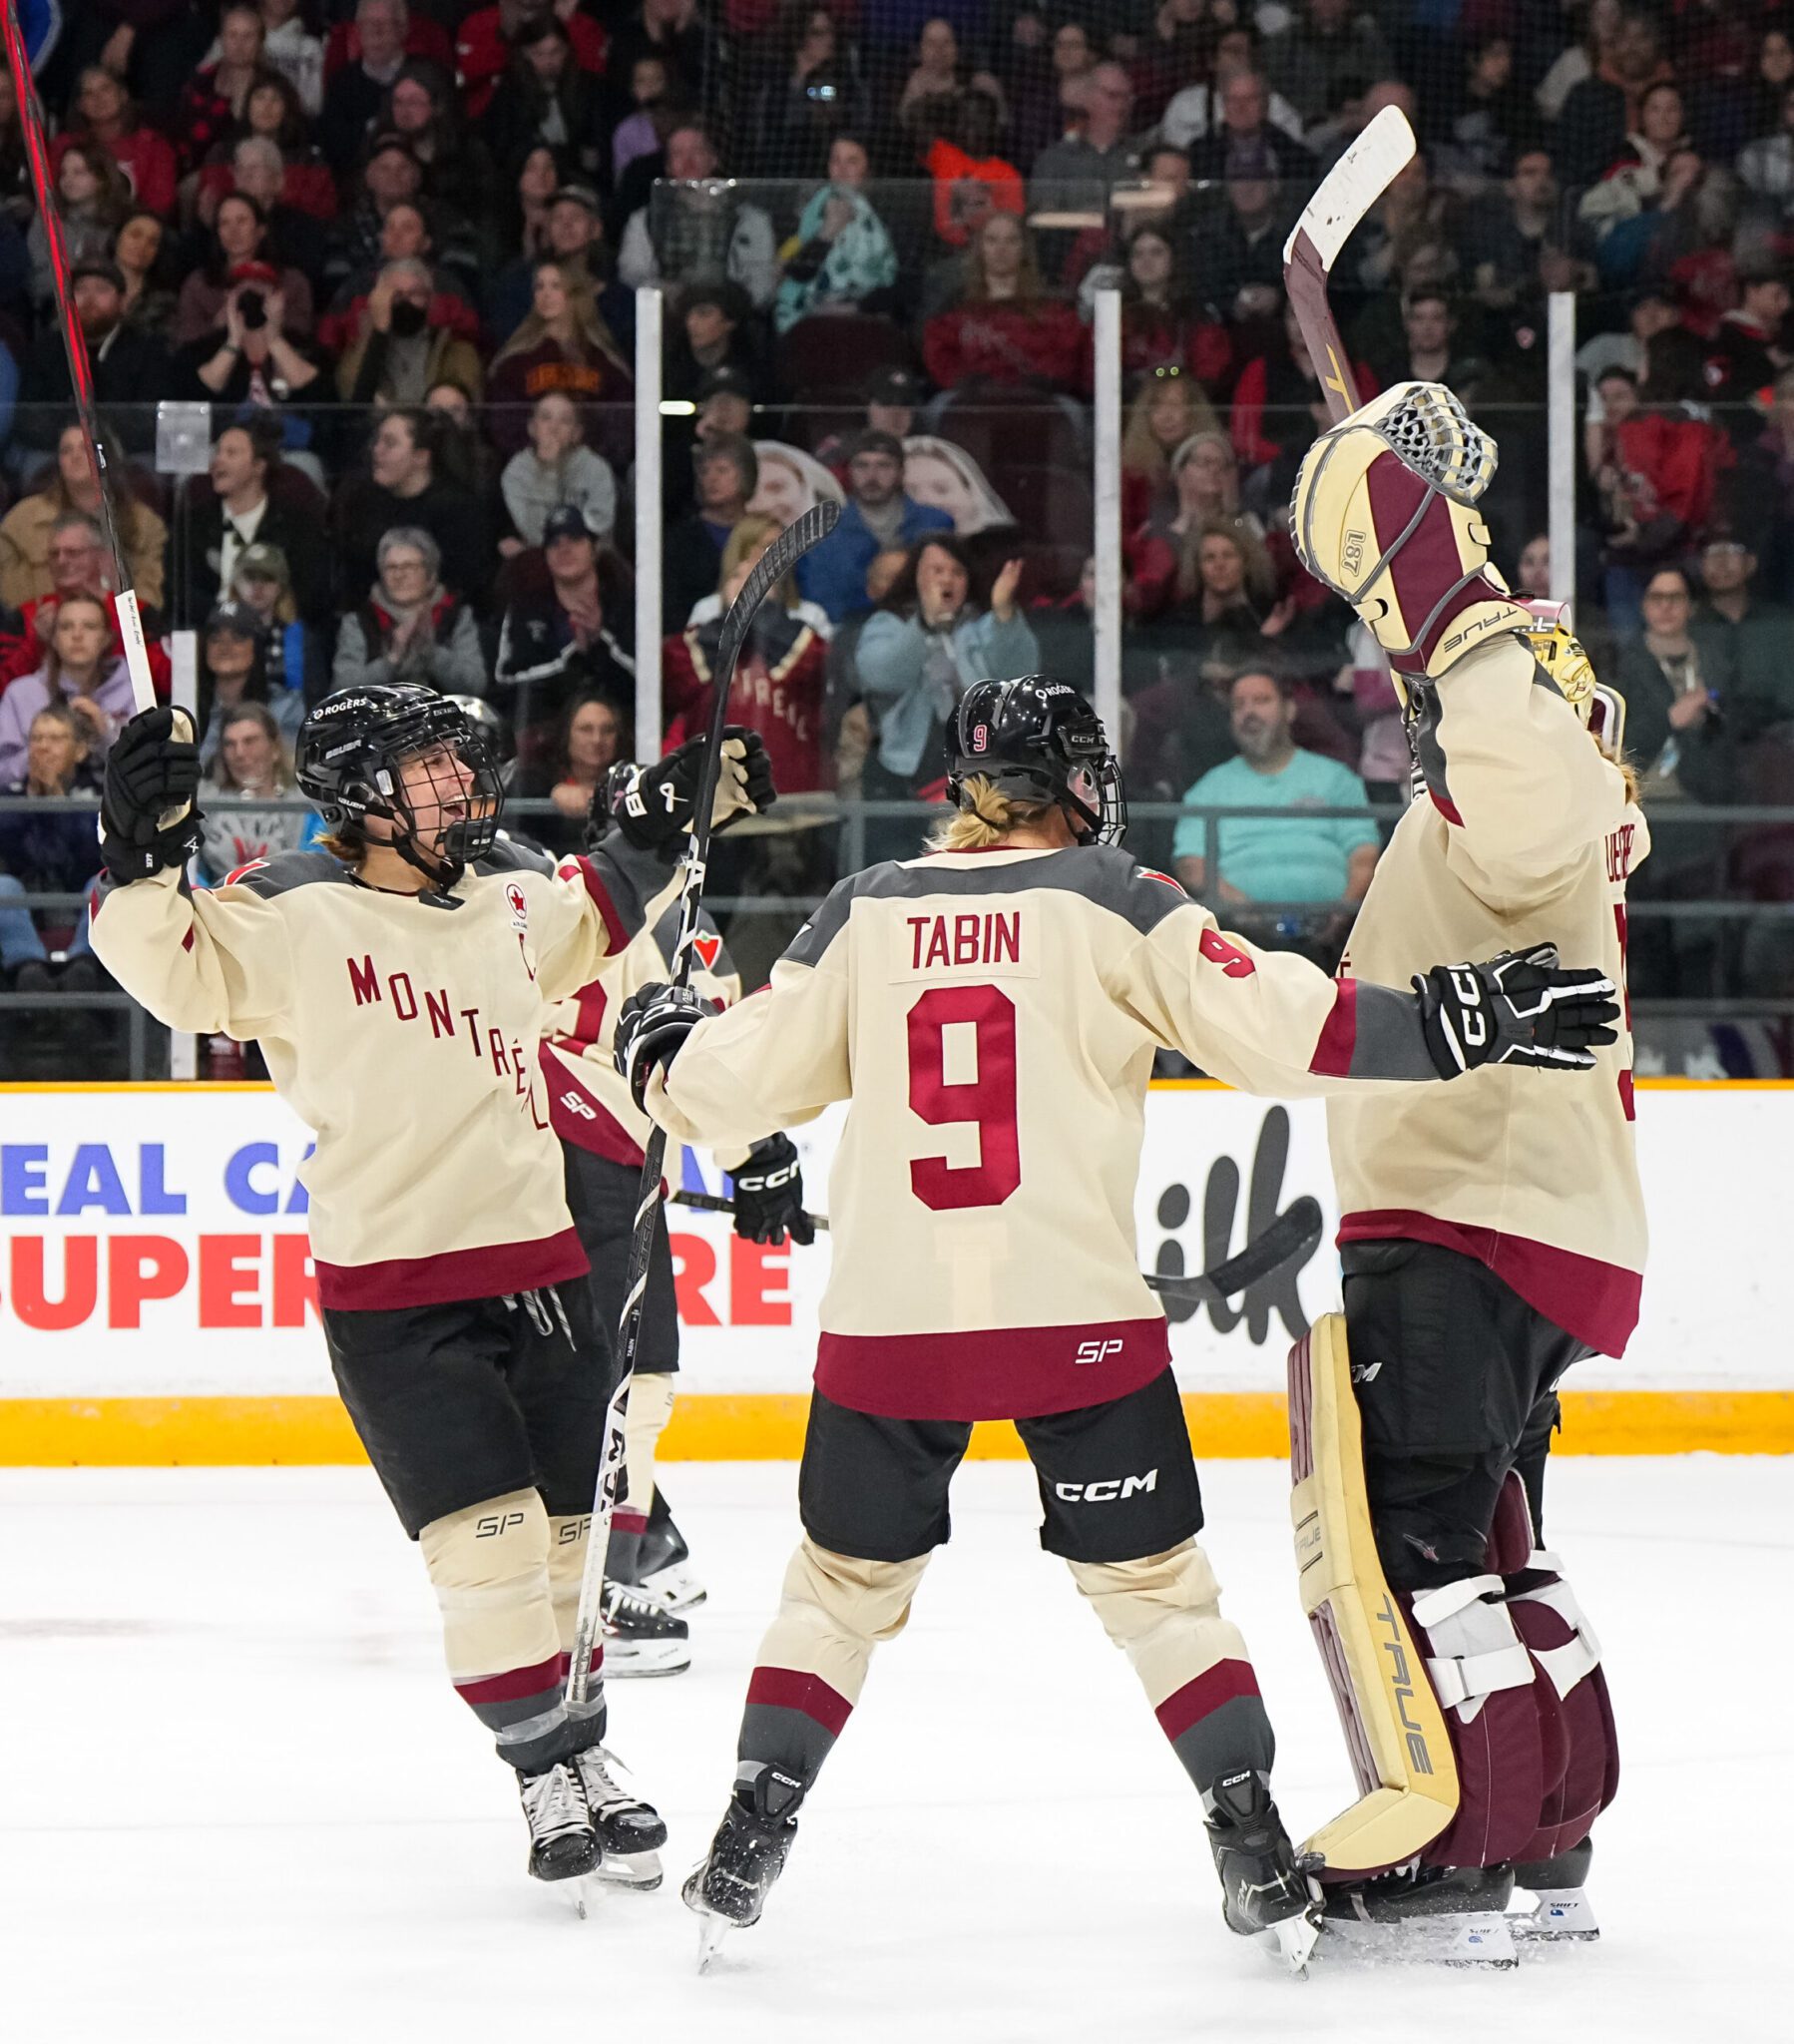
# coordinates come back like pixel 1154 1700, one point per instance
pixel 601 1131
pixel 990 1012
pixel 1490 1240
pixel 398 997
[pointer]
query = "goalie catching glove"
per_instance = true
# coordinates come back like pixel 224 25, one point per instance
pixel 650 1026
pixel 769 1194
pixel 1521 1008
pixel 652 806
pixel 148 819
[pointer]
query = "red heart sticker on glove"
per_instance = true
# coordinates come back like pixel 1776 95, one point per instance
pixel 709 947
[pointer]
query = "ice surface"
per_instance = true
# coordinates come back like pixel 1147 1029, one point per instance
pixel 238 1800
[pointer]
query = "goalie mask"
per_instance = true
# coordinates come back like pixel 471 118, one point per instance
pixel 1566 660
pixel 1385 514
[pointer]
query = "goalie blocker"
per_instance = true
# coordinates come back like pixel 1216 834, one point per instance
pixel 1470 1695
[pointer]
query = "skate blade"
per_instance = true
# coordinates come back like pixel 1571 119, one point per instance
pixel 1292 1943
pixel 712 1930
pixel 676 1587
pixel 1559 1916
pixel 636 1873
pixel 1479 1938
pixel 586 1892
pixel 626 1664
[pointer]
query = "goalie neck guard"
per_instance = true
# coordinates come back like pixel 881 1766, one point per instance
pixel 1036 740
pixel 1385 514
pixel 351 751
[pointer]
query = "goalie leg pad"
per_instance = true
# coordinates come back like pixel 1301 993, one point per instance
pixel 1394 1728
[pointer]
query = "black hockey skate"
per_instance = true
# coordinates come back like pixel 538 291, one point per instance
pixel 563 1843
pixel 1562 1912
pixel 663 1568
pixel 1265 1890
pixel 630 1832
pixel 728 1890
pixel 1448 1916
pixel 642 1637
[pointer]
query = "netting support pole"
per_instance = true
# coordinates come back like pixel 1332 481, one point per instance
pixel 1107 631
pixel 650 522
pixel 1562 429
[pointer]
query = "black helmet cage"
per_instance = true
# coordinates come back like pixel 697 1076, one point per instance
pixel 352 747
pixel 1030 738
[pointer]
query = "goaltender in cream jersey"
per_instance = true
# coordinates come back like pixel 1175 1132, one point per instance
pixel 992 1017
pixel 436 1174
pixel 1525 834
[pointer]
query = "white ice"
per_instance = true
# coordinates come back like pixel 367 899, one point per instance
pixel 238 1800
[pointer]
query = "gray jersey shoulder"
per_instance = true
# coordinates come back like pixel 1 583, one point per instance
pixel 1104 874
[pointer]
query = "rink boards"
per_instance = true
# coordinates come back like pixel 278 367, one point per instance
pixel 156 1301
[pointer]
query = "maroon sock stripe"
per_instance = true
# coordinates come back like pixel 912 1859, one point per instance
pixel 628 1522
pixel 789 1690
pixel 515 1683
pixel 1208 1692
pixel 595 1667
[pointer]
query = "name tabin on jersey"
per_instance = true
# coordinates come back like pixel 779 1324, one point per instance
pixel 989 941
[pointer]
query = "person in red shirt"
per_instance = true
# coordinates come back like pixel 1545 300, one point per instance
pixel 216 95
pixel 1004 329
pixel 778 683
pixel 102 112
pixel 485 40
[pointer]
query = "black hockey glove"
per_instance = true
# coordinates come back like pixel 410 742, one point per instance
pixel 769 1194
pixel 152 773
pixel 652 806
pixel 650 1026
pixel 1521 1008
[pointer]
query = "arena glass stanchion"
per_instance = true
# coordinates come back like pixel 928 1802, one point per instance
pixel 772 567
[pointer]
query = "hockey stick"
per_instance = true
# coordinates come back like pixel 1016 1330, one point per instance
pixel 716 1202
pixel 80 375
pixel 1329 219
pixel 772 567
pixel 1294 1233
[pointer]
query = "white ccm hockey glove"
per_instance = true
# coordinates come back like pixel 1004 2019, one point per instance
pixel 1521 1008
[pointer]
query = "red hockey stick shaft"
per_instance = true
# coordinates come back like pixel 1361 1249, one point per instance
pixel 80 375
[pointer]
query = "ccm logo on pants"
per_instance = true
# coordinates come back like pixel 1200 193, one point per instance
pixel 1107 1491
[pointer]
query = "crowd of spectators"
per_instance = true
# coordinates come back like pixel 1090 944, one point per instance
pixel 392 251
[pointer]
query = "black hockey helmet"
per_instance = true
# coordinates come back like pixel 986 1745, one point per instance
pixel 350 751
pixel 1036 740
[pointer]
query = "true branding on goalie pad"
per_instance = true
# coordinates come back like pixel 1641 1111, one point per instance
pixel 1476 1713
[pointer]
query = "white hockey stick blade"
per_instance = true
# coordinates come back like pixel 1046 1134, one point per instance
pixel 1353 185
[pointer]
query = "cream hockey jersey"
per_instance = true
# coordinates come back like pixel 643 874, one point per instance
pixel 991 1017
pixel 403 1029
pixel 587 1098
pixel 1525 834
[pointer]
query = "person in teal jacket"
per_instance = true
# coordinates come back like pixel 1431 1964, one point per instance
pixel 916 658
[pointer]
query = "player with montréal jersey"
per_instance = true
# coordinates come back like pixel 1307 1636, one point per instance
pixel 1490 1239
pixel 647 1583
pixel 990 1012
pixel 398 995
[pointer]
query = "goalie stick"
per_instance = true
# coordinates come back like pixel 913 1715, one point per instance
pixel 771 568
pixel 1329 219
pixel 80 375
pixel 1294 1233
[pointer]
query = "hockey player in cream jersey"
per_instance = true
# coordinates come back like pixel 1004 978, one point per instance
pixel 1490 1239
pixel 602 1133
pixel 991 1013
pixel 398 997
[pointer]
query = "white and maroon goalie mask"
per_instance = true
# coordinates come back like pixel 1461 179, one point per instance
pixel 1385 514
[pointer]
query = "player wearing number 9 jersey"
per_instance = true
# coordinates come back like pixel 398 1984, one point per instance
pixel 991 1013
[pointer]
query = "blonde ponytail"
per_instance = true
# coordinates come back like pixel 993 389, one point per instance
pixel 987 819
